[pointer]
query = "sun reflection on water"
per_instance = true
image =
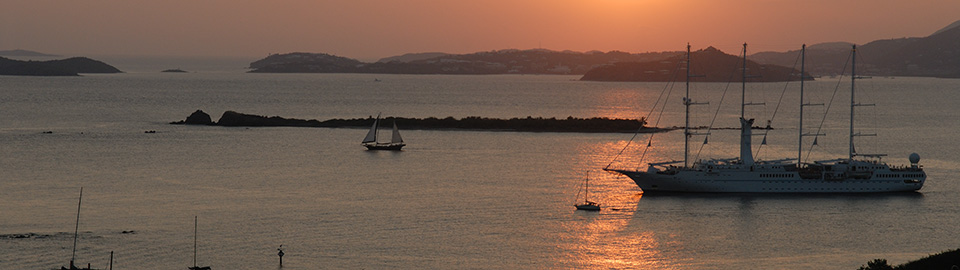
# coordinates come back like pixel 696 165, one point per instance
pixel 611 238
pixel 623 102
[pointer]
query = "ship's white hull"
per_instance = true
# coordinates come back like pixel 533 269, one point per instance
pixel 761 182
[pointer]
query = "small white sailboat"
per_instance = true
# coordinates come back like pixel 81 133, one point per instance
pixel 195 267
pixel 370 141
pixel 587 205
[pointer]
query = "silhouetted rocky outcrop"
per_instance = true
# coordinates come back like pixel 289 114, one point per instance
pixel 197 118
pixel 235 119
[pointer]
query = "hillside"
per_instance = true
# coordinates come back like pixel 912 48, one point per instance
pixel 937 55
pixel 410 57
pixel 535 61
pixel 24 53
pixel 714 65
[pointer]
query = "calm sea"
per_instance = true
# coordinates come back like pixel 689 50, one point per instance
pixel 451 199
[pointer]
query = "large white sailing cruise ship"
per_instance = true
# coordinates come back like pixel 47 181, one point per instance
pixel 857 173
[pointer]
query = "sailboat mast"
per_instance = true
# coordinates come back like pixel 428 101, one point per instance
pixel 76 230
pixel 686 124
pixel 376 129
pixel 195 218
pixel 803 52
pixel 586 189
pixel 853 104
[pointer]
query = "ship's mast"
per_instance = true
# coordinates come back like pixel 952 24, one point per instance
pixel 803 77
pixel 746 154
pixel 686 114
pixel 803 58
pixel 853 103
pixel 687 101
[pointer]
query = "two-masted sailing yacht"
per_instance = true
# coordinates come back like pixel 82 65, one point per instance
pixel 856 173
pixel 370 141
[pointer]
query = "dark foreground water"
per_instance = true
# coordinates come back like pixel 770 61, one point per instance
pixel 451 199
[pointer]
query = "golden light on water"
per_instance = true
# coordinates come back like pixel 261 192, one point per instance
pixel 616 237
pixel 635 155
pixel 610 238
pixel 602 243
pixel 623 103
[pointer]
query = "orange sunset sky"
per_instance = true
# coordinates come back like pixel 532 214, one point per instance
pixel 369 30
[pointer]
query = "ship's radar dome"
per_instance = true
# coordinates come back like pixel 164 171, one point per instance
pixel 914 158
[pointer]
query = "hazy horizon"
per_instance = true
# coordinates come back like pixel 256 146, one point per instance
pixel 369 30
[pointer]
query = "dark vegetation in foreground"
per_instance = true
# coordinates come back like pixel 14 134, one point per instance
pixel 528 124
pixel 947 260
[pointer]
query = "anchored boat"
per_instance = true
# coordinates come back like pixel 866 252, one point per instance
pixel 856 173
pixel 587 204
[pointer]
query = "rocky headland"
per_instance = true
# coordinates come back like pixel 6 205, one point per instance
pixel 944 260
pixel 64 67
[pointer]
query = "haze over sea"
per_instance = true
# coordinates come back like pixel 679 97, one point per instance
pixel 451 199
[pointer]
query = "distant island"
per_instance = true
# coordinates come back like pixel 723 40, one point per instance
pixel 937 55
pixel 174 70
pixel 64 67
pixel 536 61
pixel 528 124
pixel 24 53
